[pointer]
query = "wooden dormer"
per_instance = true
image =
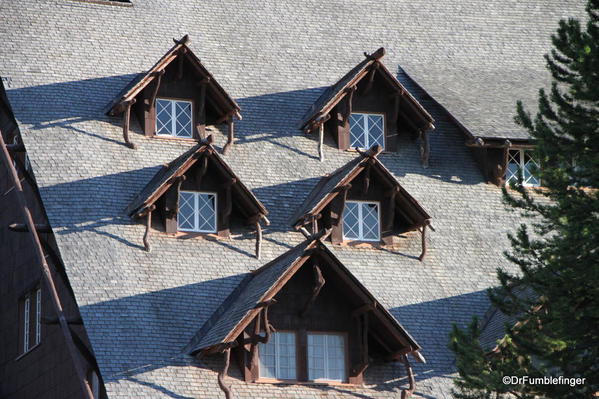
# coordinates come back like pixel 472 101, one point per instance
pixel 295 303
pixel 198 194
pixel 176 98
pixel 362 202
pixel 368 107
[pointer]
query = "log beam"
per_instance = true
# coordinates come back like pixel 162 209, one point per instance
pixel 126 121
pixel 321 142
pixel 201 118
pixel 371 73
pixel 258 240
pixel 156 88
pixel 423 235
pixel 350 97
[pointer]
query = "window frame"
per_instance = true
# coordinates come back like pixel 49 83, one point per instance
pixel 367 141
pixel 174 100
pixel 344 336
pixel 360 221
pixel 521 167
pixel 30 321
pixel 196 212
pixel 276 378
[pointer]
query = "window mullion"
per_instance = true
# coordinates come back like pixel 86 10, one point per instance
pixel 277 355
pixel 360 222
pixel 196 211
pixel 173 118
pixel 366 138
pixel 326 358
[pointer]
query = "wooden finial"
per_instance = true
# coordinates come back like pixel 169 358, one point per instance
pixel 380 53
pixel 184 40
pixel 375 150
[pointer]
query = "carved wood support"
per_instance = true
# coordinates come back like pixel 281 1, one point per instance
pixel 371 74
pixel 349 103
pixel 156 88
pixel 146 239
pixel 180 181
pixel 202 170
pixel 319 282
pixel 391 217
pixel 407 393
pixel 258 240
pixel 224 372
pixel 181 58
pixel 366 181
pixel 423 234
pixel 201 118
pixel 321 142
pixel 424 148
pixel 230 135
pixel 126 120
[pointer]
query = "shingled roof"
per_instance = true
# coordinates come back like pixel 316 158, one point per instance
pixel 336 92
pixel 141 309
pixel 243 305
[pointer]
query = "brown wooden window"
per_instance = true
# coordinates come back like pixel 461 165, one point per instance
pixel 30 327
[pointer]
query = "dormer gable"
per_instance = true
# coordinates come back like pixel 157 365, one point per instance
pixel 198 194
pixel 367 107
pixel 362 202
pixel 176 98
pixel 303 299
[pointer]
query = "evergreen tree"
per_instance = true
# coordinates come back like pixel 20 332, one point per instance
pixel 553 303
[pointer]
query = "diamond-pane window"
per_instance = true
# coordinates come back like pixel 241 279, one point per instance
pixel 197 212
pixel 521 163
pixel 366 130
pixel 361 221
pixel 326 357
pixel 173 118
pixel 277 357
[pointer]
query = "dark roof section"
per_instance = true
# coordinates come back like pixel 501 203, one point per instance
pixel 165 178
pixel 242 306
pixel 328 187
pixel 180 49
pixel 335 93
pixel 8 122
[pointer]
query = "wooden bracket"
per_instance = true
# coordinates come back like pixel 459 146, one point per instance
pixel 22 228
pixel 185 40
pixel 258 240
pixel 319 282
pixel 146 239
pixel 126 121
pixel 407 393
pixel 230 135
pixel 224 372
pixel 16 147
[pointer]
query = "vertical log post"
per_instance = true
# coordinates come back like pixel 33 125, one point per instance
pixel 321 142
pixel 201 116
pixel 424 148
pixel 221 376
pixel 258 240
pixel 146 239
pixel 366 181
pixel 76 356
pixel 391 217
pixel 407 393
pixel 373 68
pixel 423 234
pixel 126 120
pixel 319 282
pixel 230 135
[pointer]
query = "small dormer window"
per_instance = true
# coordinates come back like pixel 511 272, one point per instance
pixel 197 212
pixel 361 221
pixel 173 118
pixel 326 357
pixel 366 130
pixel 521 164
pixel 277 357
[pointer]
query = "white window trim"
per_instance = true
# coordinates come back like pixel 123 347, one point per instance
pixel 361 223
pixel 367 130
pixel 277 360
pixel 326 357
pixel 521 167
pixel 196 223
pixel 26 318
pixel 38 316
pixel 174 131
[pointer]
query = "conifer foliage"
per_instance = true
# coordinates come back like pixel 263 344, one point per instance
pixel 552 304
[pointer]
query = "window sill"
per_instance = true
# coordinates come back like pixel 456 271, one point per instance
pixel 305 383
pixel 22 355
pixel 173 138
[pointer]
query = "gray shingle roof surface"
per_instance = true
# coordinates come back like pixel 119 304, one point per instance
pixel 68 59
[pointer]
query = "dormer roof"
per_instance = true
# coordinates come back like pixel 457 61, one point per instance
pixel 245 303
pixel 216 93
pixel 330 186
pixel 169 173
pixel 336 92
